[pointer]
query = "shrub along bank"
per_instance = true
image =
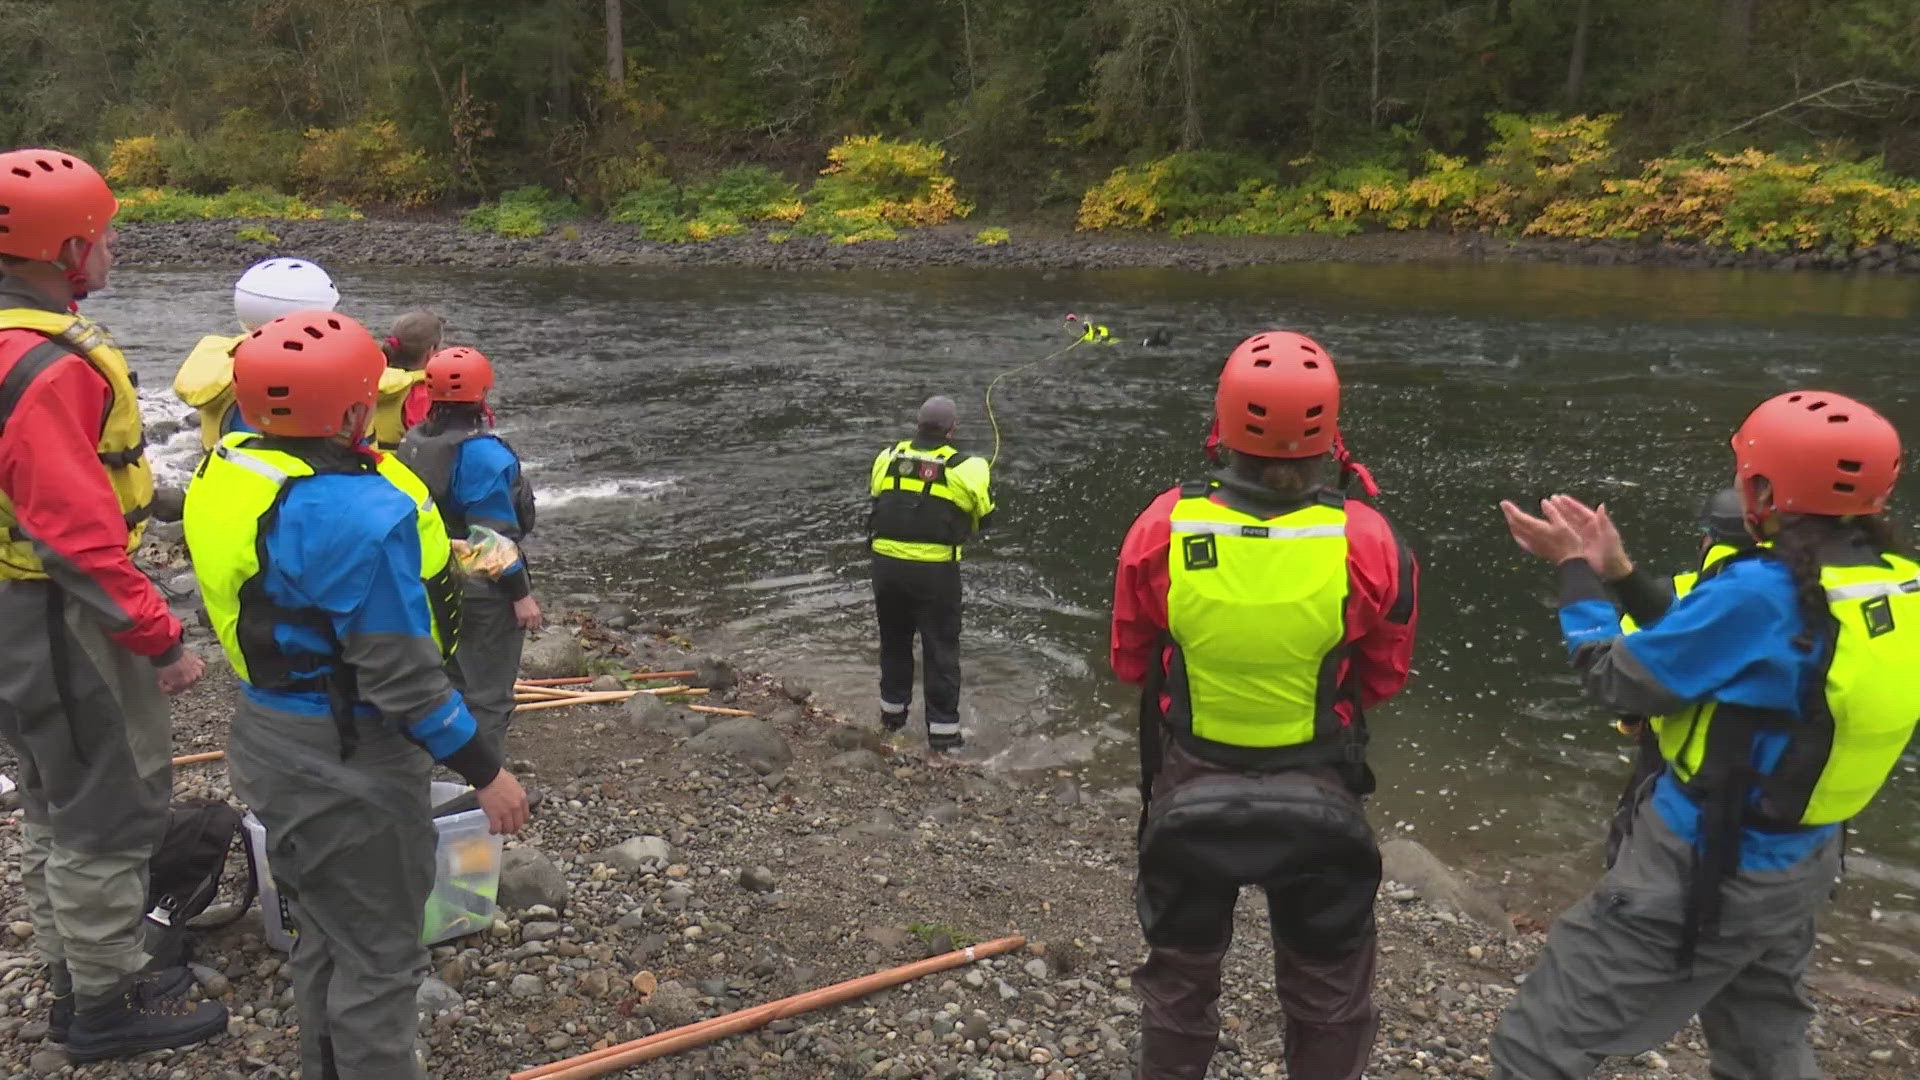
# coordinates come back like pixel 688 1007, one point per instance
pixel 1551 177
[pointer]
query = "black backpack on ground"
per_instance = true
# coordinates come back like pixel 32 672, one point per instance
pixel 183 877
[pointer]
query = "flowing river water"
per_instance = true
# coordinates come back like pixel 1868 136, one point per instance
pixel 700 441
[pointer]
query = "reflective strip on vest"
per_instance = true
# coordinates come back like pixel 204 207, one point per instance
pixel 914 514
pixel 120 445
pixel 1260 532
pixel 1836 761
pixel 234 488
pixel 1257 626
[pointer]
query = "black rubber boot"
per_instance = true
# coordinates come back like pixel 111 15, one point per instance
pixel 892 721
pixel 148 1011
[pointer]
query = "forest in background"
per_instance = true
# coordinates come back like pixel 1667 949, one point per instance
pixel 1220 115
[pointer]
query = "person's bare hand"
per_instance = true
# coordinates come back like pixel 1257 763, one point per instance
pixel 176 677
pixel 526 613
pixel 1549 536
pixel 1600 542
pixel 505 802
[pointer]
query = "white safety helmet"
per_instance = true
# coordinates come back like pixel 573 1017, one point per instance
pixel 275 287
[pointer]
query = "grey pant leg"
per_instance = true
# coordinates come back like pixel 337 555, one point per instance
pixel 95 778
pixel 488 660
pixel 1756 1027
pixel 352 849
pixel 1609 984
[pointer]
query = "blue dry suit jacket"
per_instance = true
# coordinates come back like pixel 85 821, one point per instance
pixel 348 545
pixel 485 472
pixel 1730 639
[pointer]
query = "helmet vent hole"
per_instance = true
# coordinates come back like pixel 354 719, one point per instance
pixel 1311 365
pixel 1257 410
pixel 22 173
pixel 281 410
pixel 1311 432
pixel 1850 466
pixel 311 331
pixel 1816 406
pixel 277 391
pixel 1262 347
pixel 1838 418
pixel 1255 429
pixel 1316 411
pixel 1843 487
pixel 293 346
pixel 1263 362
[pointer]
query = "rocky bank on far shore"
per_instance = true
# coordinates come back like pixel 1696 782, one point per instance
pixel 683 865
pixel 441 241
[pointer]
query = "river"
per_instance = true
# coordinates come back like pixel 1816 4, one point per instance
pixel 701 439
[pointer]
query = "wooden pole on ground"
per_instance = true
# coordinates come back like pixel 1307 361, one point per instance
pixel 195 759
pixel 600 1062
pixel 719 711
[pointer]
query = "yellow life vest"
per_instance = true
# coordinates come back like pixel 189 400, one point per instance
pixel 1256 610
pixel 237 487
pixel 389 421
pixel 205 382
pixel 918 512
pixel 121 447
pixel 1683 582
pixel 1840 753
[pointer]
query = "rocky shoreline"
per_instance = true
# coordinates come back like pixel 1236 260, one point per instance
pixel 440 241
pixel 680 868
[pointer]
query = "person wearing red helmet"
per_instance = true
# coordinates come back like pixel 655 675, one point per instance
pixel 1781 693
pixel 327 576
pixel 91 649
pixel 1261 613
pixel 477 483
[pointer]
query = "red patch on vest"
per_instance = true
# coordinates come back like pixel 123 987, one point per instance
pixel 929 471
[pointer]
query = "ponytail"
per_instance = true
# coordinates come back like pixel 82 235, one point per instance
pixel 1798 544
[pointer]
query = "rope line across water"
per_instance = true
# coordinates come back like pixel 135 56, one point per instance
pixel 991 419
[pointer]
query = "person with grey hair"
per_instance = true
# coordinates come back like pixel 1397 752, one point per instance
pixel 927 499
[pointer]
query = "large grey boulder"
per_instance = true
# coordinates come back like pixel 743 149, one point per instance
pixel 556 654
pixel 1411 864
pixel 746 739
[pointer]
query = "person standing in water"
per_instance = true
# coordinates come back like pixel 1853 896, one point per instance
pixel 326 575
pixel 1261 613
pixel 477 483
pixel 1781 693
pixel 269 289
pixel 928 498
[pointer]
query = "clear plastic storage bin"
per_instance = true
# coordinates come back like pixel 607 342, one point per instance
pixel 466 876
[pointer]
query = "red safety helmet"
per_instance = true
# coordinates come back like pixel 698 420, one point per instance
pixel 1278 397
pixel 1820 453
pixel 458 374
pixel 48 198
pixel 302 374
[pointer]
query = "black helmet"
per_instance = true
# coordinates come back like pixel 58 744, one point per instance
pixel 1724 520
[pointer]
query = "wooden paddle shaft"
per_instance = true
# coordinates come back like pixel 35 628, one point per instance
pixel 195 759
pixel 599 1062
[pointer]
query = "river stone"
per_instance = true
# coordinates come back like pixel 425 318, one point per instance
pixel 160 431
pixel 715 674
pixel 637 853
pixel 526 986
pixel 649 713
pixel 169 503
pixel 758 879
pixel 608 683
pixel 796 690
pixel 528 877
pixel 851 737
pixel 744 738
pixel 857 761
pixel 556 654
pixel 1411 864
pixel 435 997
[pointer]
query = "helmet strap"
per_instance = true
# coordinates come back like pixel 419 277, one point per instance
pixel 77 274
